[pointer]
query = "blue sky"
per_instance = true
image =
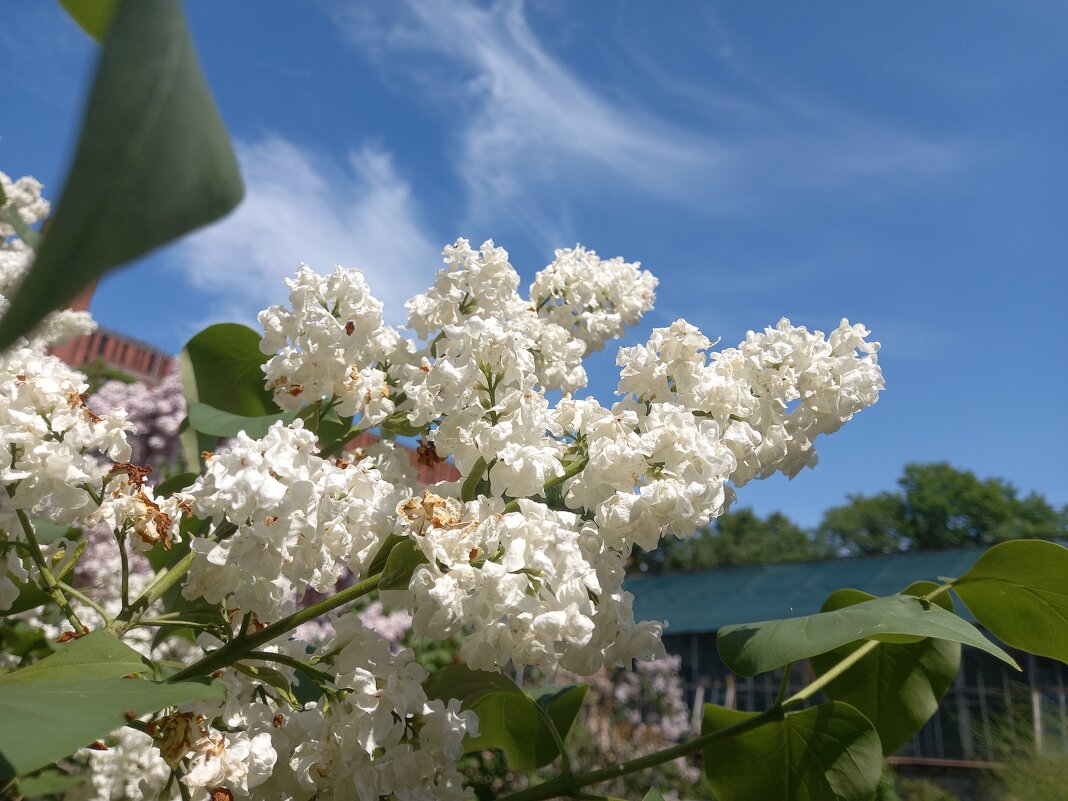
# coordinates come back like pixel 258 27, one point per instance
pixel 902 165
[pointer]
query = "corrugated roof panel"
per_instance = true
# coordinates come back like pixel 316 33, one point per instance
pixel 707 600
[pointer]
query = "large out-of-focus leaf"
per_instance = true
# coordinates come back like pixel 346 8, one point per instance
pixel 47 720
pixel 754 648
pixel 49 782
pixel 56 706
pixel 94 16
pixel 1019 591
pixel 897 686
pixel 97 655
pixel 828 752
pixel 153 162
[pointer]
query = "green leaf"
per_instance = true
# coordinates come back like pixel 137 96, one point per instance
pixel 270 677
pixel 398 425
pixel 561 704
pixel 754 648
pixel 332 427
pixel 209 420
pixel 402 561
pixel 153 163
pixel 194 444
pixel 175 483
pixel 97 655
pixel 64 702
pixel 94 16
pixel 828 752
pixel 1019 591
pixel 897 686
pixel 45 720
pixel 653 795
pixel 222 367
pixel 508 719
pixel 49 782
pixel 379 560
pixel 48 531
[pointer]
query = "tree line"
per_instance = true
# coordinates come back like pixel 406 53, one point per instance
pixel 934 506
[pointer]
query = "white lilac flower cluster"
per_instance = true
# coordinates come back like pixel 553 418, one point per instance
pixel 57 454
pixel 769 397
pixel 332 343
pixel 525 555
pixel 299 521
pixel 378 735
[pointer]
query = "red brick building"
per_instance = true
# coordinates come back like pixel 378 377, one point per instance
pixel 131 356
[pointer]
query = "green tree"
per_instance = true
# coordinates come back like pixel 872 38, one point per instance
pixel 939 506
pixel 736 538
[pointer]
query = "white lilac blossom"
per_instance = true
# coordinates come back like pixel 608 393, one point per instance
pixel 300 521
pixel 51 442
pixel 593 299
pixel 384 737
pixel 332 344
pixel 524 556
pixel 771 396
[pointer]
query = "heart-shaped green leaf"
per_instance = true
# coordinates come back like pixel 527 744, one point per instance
pixel 62 703
pixel 754 648
pixel 1019 591
pixel 897 686
pixel 222 367
pixel 828 752
pixel 97 655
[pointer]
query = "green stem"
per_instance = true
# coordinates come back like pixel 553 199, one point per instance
pixel 85 599
pixel 238 647
pixel 124 561
pixel 293 662
pixel 129 616
pixel 177 623
pixel 51 584
pixel 571 785
pixel 938 591
pixel 784 685
pixel 571 471
pixel 797 698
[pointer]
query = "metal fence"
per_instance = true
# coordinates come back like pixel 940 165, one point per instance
pixel 989 711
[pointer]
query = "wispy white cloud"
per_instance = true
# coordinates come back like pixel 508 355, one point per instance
pixel 302 207
pixel 527 123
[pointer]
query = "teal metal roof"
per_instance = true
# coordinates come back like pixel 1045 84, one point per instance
pixel 706 600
